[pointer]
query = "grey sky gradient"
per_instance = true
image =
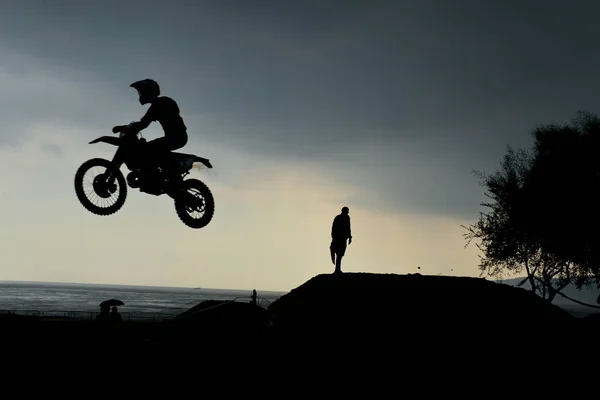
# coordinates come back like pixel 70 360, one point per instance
pixel 413 94
pixel 441 86
pixel 401 99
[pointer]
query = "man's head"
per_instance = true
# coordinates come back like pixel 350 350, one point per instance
pixel 148 90
pixel 345 210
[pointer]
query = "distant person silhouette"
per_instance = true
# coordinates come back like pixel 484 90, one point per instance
pixel 104 315
pixel 341 235
pixel 116 316
pixel 162 109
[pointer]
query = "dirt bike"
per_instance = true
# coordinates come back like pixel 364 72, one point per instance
pixel 165 176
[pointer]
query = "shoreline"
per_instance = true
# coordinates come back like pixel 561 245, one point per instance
pixel 576 310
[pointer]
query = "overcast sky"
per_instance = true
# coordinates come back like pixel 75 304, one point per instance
pixel 303 107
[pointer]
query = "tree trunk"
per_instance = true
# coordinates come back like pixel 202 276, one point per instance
pixel 531 277
pixel 551 294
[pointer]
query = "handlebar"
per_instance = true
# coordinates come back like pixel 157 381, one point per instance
pixel 123 129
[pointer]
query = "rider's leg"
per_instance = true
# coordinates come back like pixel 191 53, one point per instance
pixel 160 148
pixel 156 149
pixel 177 141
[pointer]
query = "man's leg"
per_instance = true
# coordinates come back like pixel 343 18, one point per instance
pixel 338 264
pixel 340 251
pixel 332 253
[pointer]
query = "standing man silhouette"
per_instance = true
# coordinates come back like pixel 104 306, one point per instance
pixel 340 233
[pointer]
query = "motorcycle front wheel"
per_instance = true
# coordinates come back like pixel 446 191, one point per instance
pixel 99 196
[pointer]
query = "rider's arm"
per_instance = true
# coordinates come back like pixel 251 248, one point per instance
pixel 146 120
pixel 141 124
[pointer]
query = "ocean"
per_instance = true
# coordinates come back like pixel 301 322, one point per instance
pixel 141 302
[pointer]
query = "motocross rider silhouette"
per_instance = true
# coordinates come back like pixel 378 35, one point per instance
pixel 162 109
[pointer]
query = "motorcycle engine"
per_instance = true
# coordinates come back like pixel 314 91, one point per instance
pixel 133 180
pixel 150 180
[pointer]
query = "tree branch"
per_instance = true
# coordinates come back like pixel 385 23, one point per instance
pixel 577 301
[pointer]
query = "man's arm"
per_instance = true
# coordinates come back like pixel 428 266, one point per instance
pixel 349 231
pixel 333 226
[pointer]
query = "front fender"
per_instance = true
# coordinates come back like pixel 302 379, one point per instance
pixel 115 141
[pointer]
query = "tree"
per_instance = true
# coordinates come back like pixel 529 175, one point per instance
pixel 564 177
pixel 506 243
pixel 544 216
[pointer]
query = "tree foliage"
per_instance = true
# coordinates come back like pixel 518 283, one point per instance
pixel 543 217
pixel 564 178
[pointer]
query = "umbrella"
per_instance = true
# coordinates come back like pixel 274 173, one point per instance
pixel 112 302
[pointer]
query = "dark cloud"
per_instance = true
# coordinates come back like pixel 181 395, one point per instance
pixel 448 83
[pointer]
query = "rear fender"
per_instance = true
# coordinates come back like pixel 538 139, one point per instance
pixel 186 162
pixel 204 161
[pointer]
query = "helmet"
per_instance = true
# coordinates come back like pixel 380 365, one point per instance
pixel 147 90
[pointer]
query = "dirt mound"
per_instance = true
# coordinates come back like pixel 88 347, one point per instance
pixel 213 316
pixel 362 303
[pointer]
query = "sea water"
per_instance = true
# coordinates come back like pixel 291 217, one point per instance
pixel 141 302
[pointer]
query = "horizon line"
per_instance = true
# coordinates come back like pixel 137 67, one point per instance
pixel 138 286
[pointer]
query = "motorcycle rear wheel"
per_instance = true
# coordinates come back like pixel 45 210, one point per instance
pixel 205 203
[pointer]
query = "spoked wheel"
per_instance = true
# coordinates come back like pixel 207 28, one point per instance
pixel 94 193
pixel 195 207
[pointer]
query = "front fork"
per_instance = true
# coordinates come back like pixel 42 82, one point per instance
pixel 126 146
pixel 115 165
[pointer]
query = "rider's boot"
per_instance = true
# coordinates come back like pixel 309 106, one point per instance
pixel 171 175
